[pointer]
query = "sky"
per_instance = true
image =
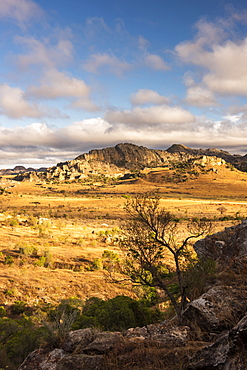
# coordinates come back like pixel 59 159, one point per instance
pixel 79 75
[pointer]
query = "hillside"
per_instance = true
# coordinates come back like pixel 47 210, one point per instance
pixel 126 158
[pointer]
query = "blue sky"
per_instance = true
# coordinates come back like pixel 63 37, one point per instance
pixel 77 75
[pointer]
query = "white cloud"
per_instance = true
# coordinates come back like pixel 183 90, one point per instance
pixel 200 97
pixel 19 10
pixel 56 85
pixel 146 96
pixel 40 143
pixel 228 68
pixel 224 61
pixel 32 135
pixel 110 62
pixel 44 53
pixel 155 62
pixel 150 116
pixel 14 105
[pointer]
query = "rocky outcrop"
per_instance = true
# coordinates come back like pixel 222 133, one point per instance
pixel 20 170
pixel 238 161
pixel 91 350
pixel 125 158
pixel 227 352
pixel 226 245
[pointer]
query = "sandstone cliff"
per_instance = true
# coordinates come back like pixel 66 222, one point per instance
pixel 124 158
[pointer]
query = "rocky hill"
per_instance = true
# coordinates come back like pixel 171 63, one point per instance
pixel 20 169
pixel 238 161
pixel 213 335
pixel 124 158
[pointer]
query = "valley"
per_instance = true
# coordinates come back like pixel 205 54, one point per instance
pixel 51 233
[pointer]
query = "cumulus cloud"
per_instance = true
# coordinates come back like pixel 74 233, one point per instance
pixel 14 105
pixel 146 96
pixel 150 116
pixel 155 62
pixel 56 85
pixel 225 76
pixel 44 53
pixel 224 61
pixel 200 97
pixel 19 10
pixel 39 143
pixel 110 62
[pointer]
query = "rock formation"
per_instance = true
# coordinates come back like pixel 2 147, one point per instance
pixel 125 158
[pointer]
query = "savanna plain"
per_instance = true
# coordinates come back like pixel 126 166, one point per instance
pixel 56 239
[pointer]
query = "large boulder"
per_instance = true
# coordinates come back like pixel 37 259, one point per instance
pixel 80 362
pixel 224 245
pixel 218 309
pixel 227 352
pixel 165 335
pixel 80 337
pixel 42 360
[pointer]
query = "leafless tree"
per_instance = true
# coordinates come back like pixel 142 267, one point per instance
pixel 150 236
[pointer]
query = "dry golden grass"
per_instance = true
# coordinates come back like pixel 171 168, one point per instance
pixel 76 213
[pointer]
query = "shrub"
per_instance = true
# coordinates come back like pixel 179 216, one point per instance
pixel 118 313
pixel 198 275
pixel 97 264
pixel 2 311
pixel 18 338
pixel 18 307
pixel 8 260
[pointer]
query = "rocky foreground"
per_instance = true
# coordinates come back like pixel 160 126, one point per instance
pixel 214 334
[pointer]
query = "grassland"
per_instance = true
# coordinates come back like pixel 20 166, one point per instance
pixel 52 233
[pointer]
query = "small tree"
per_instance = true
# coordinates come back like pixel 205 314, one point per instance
pixel 150 236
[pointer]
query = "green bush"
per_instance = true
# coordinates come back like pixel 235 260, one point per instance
pixel 18 307
pixel 18 338
pixel 2 311
pixel 197 277
pixel 118 313
pixel 8 260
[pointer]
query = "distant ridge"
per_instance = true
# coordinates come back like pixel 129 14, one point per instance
pixel 20 169
pixel 124 158
pixel 240 162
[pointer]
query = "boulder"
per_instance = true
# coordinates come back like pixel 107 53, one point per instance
pixel 81 361
pixel 80 337
pixel 227 352
pixel 103 343
pixel 165 335
pixel 224 245
pixel 211 356
pixel 41 360
pixel 218 309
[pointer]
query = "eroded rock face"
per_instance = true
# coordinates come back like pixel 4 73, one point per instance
pixel 80 337
pixel 227 352
pixel 88 349
pixel 218 309
pixel 224 245
pixel 39 359
pixel 163 334
pixel 79 362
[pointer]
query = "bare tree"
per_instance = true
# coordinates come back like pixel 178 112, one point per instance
pixel 150 236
